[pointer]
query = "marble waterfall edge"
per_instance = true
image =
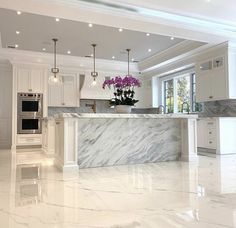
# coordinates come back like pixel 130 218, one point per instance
pixel 108 142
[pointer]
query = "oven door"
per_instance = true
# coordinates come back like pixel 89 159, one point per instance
pixel 29 125
pixel 29 107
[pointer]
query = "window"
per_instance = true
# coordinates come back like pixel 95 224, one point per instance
pixel 180 94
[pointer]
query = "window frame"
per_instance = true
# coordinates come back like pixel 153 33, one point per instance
pixel 174 77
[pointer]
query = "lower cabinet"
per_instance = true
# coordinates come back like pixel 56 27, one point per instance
pixel 29 139
pixel 217 134
pixel 48 143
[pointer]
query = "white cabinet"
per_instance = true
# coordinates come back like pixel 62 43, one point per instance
pixel 29 140
pixel 217 134
pixel 215 75
pixel 65 94
pixel 30 80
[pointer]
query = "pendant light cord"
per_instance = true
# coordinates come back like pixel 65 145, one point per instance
pixel 94 64
pixel 128 50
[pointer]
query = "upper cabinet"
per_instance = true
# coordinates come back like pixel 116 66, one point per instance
pixel 215 75
pixel 30 80
pixel 65 94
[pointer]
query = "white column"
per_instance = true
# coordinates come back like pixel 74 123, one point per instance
pixel 189 140
pixel 66 147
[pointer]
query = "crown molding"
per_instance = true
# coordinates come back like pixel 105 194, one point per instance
pixel 169 54
pixel 65 61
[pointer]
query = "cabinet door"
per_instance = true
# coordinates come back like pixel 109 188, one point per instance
pixel 203 87
pixel 23 80
pixel 36 81
pixel 55 95
pixel 219 84
pixel 201 133
pixel 69 91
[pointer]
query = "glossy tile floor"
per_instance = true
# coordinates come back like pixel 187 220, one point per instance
pixel 164 195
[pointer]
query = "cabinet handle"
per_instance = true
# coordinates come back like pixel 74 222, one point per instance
pixel 210 97
pixel 30 90
pixel 57 123
pixel 210 132
pixel 63 103
pixel 210 142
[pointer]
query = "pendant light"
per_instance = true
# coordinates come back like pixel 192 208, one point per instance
pixel 128 51
pixel 54 78
pixel 94 74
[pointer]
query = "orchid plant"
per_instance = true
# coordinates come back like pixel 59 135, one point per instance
pixel 123 89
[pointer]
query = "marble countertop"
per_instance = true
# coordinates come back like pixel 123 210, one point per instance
pixel 115 115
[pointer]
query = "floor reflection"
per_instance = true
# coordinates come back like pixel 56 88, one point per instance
pixel 165 195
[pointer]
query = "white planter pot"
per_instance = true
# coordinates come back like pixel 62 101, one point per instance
pixel 123 108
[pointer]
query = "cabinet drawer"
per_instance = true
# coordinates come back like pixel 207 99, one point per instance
pixel 211 124
pixel 211 143
pixel 211 133
pixel 29 139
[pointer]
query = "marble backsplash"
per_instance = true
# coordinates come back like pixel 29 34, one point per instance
pixel 102 107
pixel 224 108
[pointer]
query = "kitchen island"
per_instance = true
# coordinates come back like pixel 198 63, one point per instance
pixel 98 140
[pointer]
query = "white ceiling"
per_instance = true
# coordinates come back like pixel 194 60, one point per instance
pixel 222 11
pixel 37 31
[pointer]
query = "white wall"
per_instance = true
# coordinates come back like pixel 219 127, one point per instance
pixel 5 104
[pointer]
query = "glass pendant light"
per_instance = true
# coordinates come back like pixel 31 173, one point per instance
pixel 55 78
pixel 94 74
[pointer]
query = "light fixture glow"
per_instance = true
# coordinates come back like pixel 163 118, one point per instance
pixel 149 50
pixel 172 38
pixel 148 34
pixel 16 45
pixel 113 57
pixel 18 12
pixel 120 30
pixel 68 52
pixel 57 19
pixel 94 83
pixel 132 59
pixel 44 49
pixel 91 55
pixel 17 32
pixel 90 25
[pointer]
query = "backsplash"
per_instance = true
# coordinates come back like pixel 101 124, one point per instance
pixel 102 107
pixel 226 108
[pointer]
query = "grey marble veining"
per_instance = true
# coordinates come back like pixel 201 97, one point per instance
pixel 109 141
pixel 224 108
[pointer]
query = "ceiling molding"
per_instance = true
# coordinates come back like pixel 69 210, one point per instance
pixel 156 24
pixel 163 57
pixel 81 63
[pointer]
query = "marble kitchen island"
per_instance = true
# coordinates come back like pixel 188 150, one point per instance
pixel 98 140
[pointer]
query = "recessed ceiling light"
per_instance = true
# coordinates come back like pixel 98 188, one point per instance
pixel 147 34
pixel 17 32
pixel 68 52
pixel 18 12
pixel 57 19
pixel 120 30
pixel 172 38
pixel 149 50
pixel 113 57
pixel 44 49
pixel 90 25
pixel 16 45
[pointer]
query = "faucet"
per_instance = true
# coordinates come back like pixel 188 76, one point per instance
pixel 93 106
pixel 162 108
pixel 185 103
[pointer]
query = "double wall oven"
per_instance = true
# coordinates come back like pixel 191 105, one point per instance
pixel 29 113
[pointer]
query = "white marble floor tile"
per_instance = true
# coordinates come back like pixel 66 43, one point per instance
pixel 34 194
